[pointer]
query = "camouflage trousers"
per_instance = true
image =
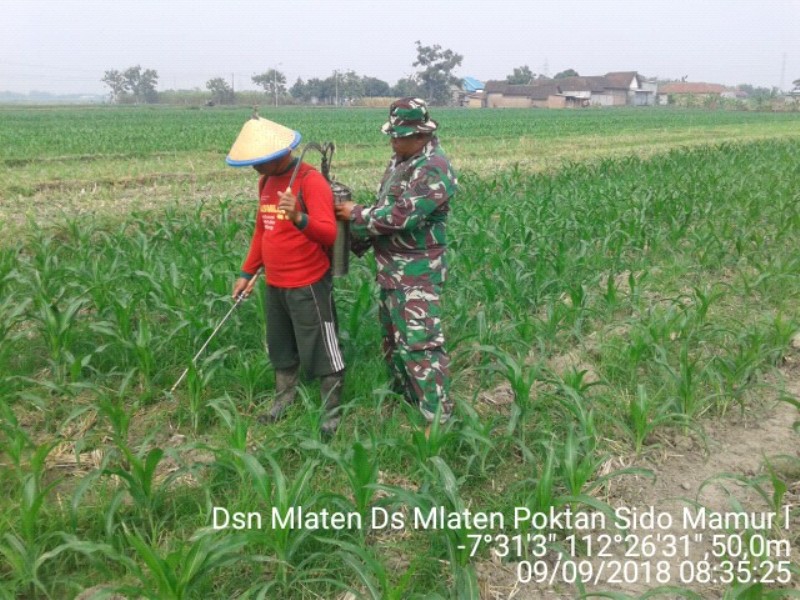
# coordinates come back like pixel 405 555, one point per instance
pixel 413 348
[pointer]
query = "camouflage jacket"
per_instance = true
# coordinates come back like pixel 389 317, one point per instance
pixel 407 224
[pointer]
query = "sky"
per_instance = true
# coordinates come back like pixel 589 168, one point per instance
pixel 65 46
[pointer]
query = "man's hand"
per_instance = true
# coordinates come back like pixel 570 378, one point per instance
pixel 288 204
pixel 344 210
pixel 240 286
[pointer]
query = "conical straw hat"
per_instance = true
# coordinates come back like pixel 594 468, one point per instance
pixel 261 140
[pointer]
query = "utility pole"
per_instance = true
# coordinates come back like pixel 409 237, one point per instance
pixel 783 70
pixel 275 81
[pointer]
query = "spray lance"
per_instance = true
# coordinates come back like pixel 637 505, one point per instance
pixel 339 253
pixel 239 299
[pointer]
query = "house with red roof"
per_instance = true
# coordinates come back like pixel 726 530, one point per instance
pixel 680 91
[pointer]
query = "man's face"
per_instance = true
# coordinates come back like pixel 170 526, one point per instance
pixel 406 147
pixel 273 167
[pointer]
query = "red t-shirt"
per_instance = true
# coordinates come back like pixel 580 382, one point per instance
pixel 293 257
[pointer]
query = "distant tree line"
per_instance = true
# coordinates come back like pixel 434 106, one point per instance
pixel 433 81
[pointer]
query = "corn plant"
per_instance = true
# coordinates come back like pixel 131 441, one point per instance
pixel 57 327
pixel 153 573
pixel 180 573
pixel 237 425
pixel 283 495
pixel 579 465
pixel 686 379
pixel 197 383
pixel 360 465
pixel 521 377
pixel 431 441
pixel 475 434
pixel 644 414
pixel 24 547
pixel 251 371
pixel 443 483
pixel 371 572
pixel 136 473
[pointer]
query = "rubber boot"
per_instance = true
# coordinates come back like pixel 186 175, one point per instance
pixel 285 394
pixel 330 387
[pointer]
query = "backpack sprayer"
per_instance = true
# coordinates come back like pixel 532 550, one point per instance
pixel 338 254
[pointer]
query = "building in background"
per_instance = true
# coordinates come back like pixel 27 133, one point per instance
pixel 624 88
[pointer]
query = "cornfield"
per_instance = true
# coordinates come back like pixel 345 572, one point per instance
pixel 616 276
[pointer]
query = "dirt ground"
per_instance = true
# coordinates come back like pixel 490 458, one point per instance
pixel 688 472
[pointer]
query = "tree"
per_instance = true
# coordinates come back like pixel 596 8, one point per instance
pixel 407 86
pixel 348 87
pixel 565 74
pixel 320 89
pixel 273 82
pixel 299 90
pixel 760 94
pixel 116 82
pixel 796 84
pixel 521 76
pixel 133 84
pixel 221 91
pixel 141 84
pixel 436 77
pixel 376 87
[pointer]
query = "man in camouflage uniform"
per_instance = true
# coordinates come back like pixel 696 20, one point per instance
pixel 406 227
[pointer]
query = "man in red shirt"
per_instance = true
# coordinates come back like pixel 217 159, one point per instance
pixel 294 229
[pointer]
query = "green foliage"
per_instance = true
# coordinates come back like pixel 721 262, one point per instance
pixel 670 285
pixel 521 76
pixel 436 74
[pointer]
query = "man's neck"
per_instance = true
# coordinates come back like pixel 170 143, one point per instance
pixel 287 165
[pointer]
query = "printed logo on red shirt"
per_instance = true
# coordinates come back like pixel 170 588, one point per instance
pixel 269 214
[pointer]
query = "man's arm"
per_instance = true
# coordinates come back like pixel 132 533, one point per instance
pixel 428 190
pixel 319 222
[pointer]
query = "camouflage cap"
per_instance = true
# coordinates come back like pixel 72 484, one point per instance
pixel 408 116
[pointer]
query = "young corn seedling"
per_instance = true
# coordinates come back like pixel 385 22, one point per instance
pixel 138 482
pixel 578 468
pixel 371 572
pixel 237 425
pixel 360 464
pixel 25 549
pixel 283 496
pixel 57 328
pixel 539 491
pixel 465 585
pixel 12 312
pixel 250 372
pixel 475 435
pixel 180 573
pixel 442 482
pixel 197 382
pixel 771 487
pixel 116 410
pixel 521 377
pixel 430 442
pixel 686 379
pixel 644 415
